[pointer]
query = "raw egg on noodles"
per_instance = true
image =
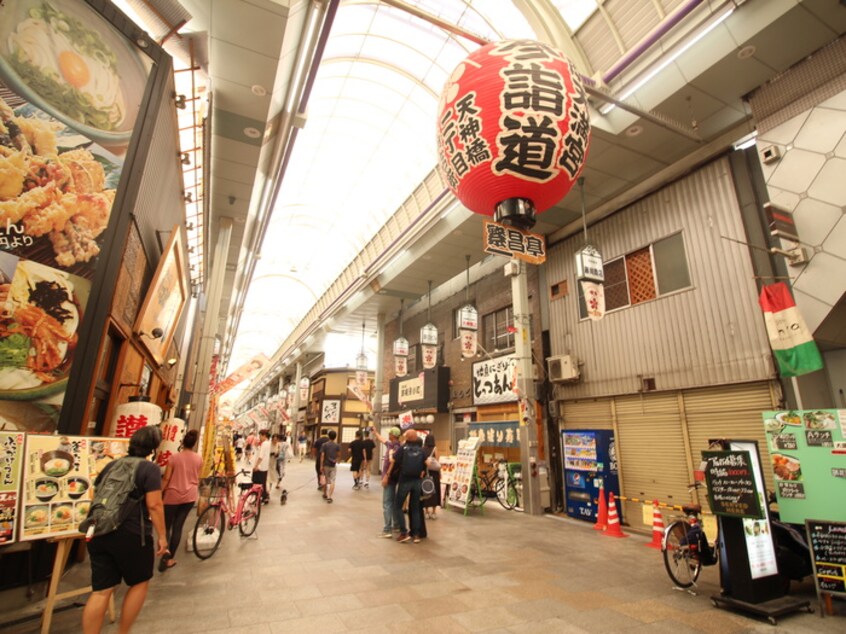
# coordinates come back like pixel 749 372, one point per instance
pixel 74 69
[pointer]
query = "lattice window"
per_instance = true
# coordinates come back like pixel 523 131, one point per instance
pixel 616 287
pixel 640 276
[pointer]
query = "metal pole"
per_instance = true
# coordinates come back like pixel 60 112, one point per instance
pixel 525 387
pixel 376 393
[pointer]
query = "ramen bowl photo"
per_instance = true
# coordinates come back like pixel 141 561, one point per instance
pixel 65 59
pixel 46 489
pixel 77 487
pixel 56 463
pixel 36 516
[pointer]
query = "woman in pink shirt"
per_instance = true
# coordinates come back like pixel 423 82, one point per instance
pixel 180 481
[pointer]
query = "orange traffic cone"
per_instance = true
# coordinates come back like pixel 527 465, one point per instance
pixel 657 527
pixel 602 513
pixel 613 529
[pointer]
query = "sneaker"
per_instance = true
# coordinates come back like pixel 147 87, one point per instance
pixel 416 540
pixel 386 535
pixel 329 500
pixel 403 538
pixel 325 497
pixel 366 485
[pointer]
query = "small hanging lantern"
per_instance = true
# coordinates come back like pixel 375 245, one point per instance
pixel 429 338
pixel 429 335
pixel 468 321
pixel 132 416
pixel 401 348
pixel 361 363
pixel 304 385
pixel 513 130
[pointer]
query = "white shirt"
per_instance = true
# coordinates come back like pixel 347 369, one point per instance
pixel 263 460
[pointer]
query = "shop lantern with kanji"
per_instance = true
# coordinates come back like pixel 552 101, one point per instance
pixel 138 412
pixel 513 130
pixel 401 356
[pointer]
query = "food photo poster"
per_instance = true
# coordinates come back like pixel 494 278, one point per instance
pixel 71 88
pixel 11 459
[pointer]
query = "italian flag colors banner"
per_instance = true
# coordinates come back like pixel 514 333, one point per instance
pixel 793 346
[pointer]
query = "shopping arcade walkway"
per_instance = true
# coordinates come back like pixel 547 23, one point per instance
pixel 318 567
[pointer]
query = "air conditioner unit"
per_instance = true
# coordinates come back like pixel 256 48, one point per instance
pixel 563 368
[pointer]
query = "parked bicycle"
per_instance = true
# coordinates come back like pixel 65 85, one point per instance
pixel 685 547
pixel 495 482
pixel 218 516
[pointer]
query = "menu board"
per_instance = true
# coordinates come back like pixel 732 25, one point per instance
pixel 732 489
pixel 580 451
pixel 828 549
pixel 808 462
pixel 462 479
pixel 447 469
pixel 11 454
pixel 58 477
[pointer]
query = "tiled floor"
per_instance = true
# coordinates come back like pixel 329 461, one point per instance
pixel 318 567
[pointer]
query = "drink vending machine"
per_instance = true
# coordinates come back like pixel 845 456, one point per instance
pixel 590 460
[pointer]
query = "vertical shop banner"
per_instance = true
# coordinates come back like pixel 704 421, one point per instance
pixel 11 459
pixel 469 343
pixel 73 87
pixel 793 346
pixel 808 462
pixel 462 478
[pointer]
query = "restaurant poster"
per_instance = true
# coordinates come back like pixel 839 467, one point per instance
pixel 65 130
pixel 11 459
pixel 808 462
pixel 462 479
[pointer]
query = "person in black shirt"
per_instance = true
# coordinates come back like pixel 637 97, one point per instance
pixel 356 459
pixel 315 450
pixel 369 446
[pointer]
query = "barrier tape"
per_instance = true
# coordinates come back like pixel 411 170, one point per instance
pixel 662 505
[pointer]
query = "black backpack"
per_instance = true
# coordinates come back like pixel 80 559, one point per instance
pixel 413 461
pixel 115 496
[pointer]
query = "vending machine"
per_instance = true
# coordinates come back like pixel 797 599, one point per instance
pixel 590 461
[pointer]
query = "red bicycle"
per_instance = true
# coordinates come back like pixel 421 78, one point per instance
pixel 219 516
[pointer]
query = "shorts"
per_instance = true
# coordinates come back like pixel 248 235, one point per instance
pixel 355 465
pixel 330 472
pixel 120 556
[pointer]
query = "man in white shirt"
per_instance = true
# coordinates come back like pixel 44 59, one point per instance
pixel 262 464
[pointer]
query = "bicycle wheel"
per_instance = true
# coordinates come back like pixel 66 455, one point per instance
pixel 208 531
pixel 476 497
pixel 506 494
pixel 250 514
pixel 681 563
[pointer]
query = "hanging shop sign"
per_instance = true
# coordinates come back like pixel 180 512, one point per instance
pixel 514 243
pixel 468 317
pixel 243 373
pixel 808 461
pixel 400 366
pixel 494 380
pixel 429 355
pixel 496 433
pixel 429 335
pixel 780 222
pixel 401 347
pixel 513 124
pixel 589 265
pixel 428 389
pixel 173 430
pixel 62 172
pixel 469 343
pixel 411 390
pixel 304 385
pixel 732 489
pixel 594 294
pixel 11 460
pixel 792 343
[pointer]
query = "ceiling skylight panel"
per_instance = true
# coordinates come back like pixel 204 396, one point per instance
pixel 575 12
pixel 354 18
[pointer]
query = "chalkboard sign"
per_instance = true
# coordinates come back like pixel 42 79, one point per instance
pixel 732 490
pixel 828 549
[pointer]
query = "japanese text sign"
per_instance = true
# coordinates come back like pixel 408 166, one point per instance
pixel 732 490
pixel 494 380
pixel 514 243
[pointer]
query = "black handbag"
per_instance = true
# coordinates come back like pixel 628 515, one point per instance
pixel 427 487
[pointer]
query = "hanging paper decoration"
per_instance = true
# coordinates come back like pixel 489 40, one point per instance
pixel 594 299
pixel 793 346
pixel 400 366
pixel 173 430
pixel 513 125
pixel 469 343
pixel 304 385
pixel 430 356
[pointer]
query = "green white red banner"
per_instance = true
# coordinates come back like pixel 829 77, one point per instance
pixel 793 346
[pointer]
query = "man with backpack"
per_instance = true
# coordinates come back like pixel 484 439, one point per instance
pixel 410 464
pixel 127 506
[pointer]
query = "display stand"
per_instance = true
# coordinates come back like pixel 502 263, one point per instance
pixel 53 596
pixel 771 609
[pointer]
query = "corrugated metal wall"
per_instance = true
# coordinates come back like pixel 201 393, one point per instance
pixel 710 334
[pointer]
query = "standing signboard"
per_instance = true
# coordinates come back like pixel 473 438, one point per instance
pixel 828 554
pixel 462 479
pixel 11 459
pixel 808 462
pixel 732 491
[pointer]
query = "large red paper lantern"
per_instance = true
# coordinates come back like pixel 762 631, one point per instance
pixel 513 130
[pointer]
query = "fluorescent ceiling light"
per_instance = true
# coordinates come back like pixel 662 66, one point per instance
pixel 641 82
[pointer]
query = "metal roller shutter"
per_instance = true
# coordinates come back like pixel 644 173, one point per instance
pixel 730 411
pixel 587 414
pixel 651 452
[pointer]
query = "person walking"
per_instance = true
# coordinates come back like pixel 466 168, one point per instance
pixel 369 446
pixel 315 450
pixel 410 465
pixel 302 442
pixel 180 485
pixel 127 553
pixel 430 451
pixel 329 464
pixel 262 464
pixel 274 453
pixel 356 459
pixel 389 486
pixel 282 459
